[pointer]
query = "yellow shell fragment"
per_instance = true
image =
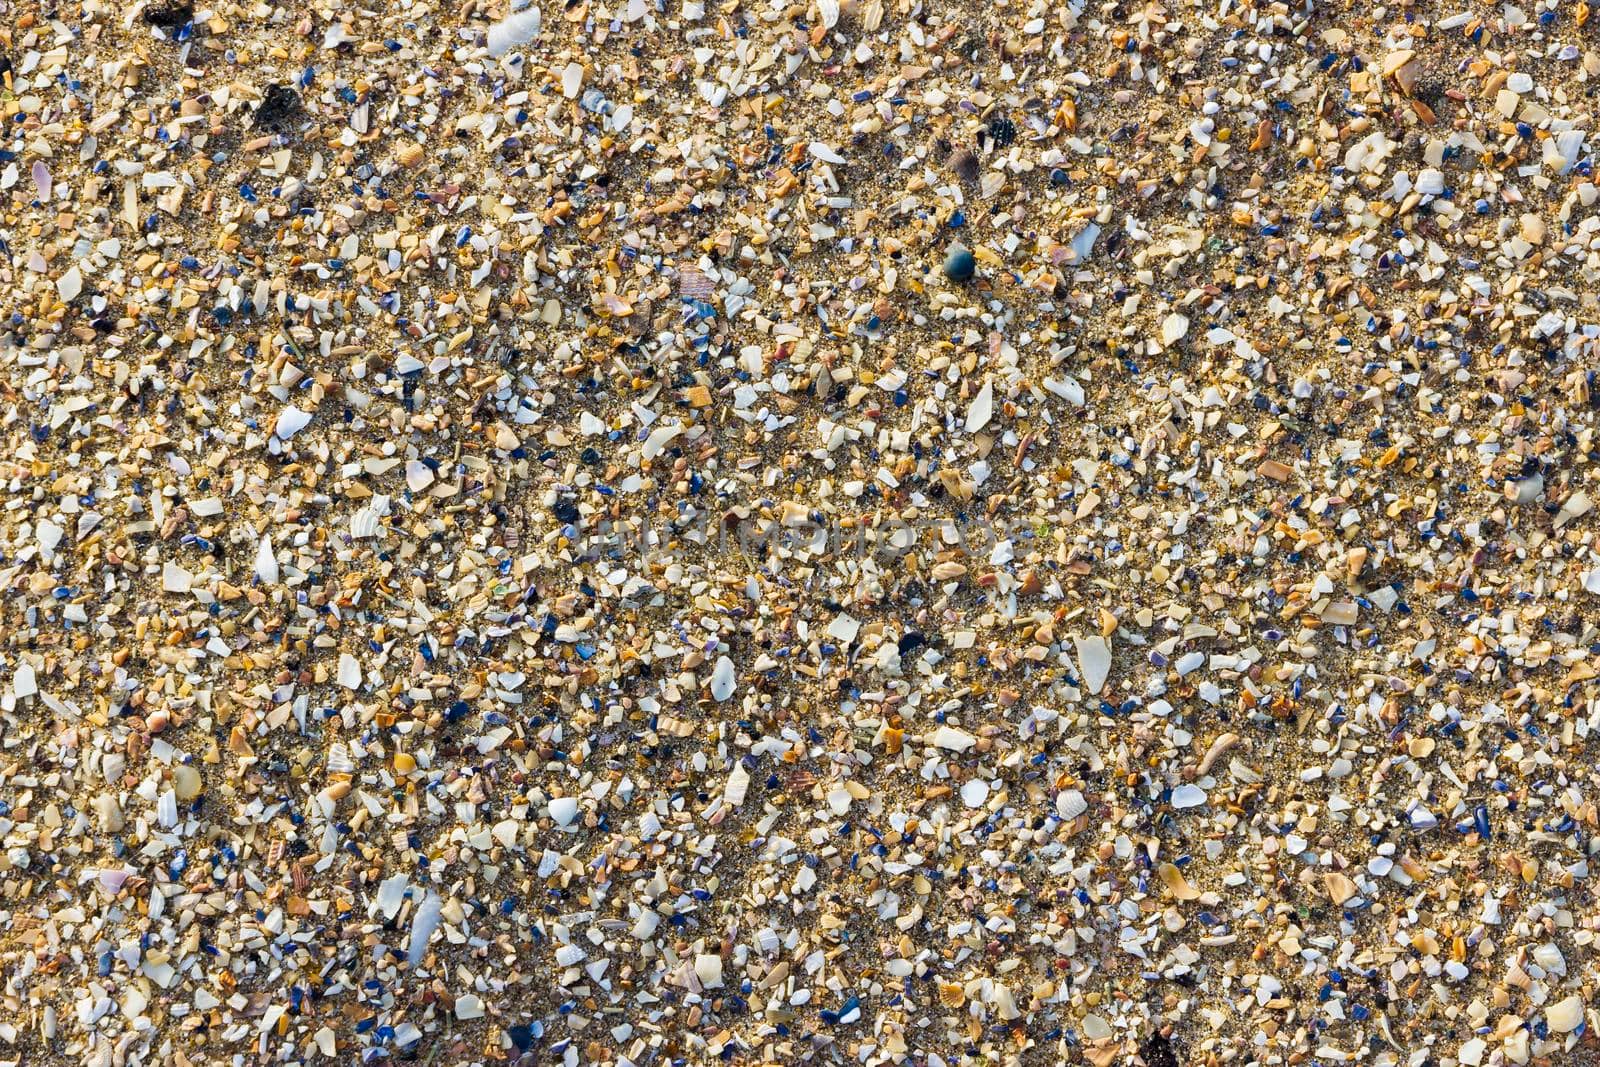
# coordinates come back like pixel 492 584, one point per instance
pixel 1175 882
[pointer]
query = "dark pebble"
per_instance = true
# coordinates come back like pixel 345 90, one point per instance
pixel 964 165
pixel 959 266
pixel 277 107
pixel 1157 1051
pixel 169 16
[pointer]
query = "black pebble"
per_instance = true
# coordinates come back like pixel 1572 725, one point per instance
pixel 521 1036
pixel 1157 1051
pixel 170 16
pixel 277 106
pixel 911 642
pixel 565 511
pixel 1003 132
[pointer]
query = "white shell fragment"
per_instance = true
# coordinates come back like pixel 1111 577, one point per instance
pixel 722 679
pixel 1574 507
pixel 70 284
pixel 571 80
pixel 953 739
pixel 391 894
pixel 418 475
pixel 564 811
pixel 266 566
pixel 349 671
pixel 1070 803
pixel 738 786
pixel 424 921
pixel 981 409
pixel 24 681
pixel 1174 328
pixel 1094 658
pixel 824 152
pixel 658 440
pixel 708 968
pixel 175 578
pixel 291 420
pixel 1564 1015
pixel 513 31
pixel 1524 491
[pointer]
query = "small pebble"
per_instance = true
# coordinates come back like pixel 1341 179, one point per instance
pixel 959 264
